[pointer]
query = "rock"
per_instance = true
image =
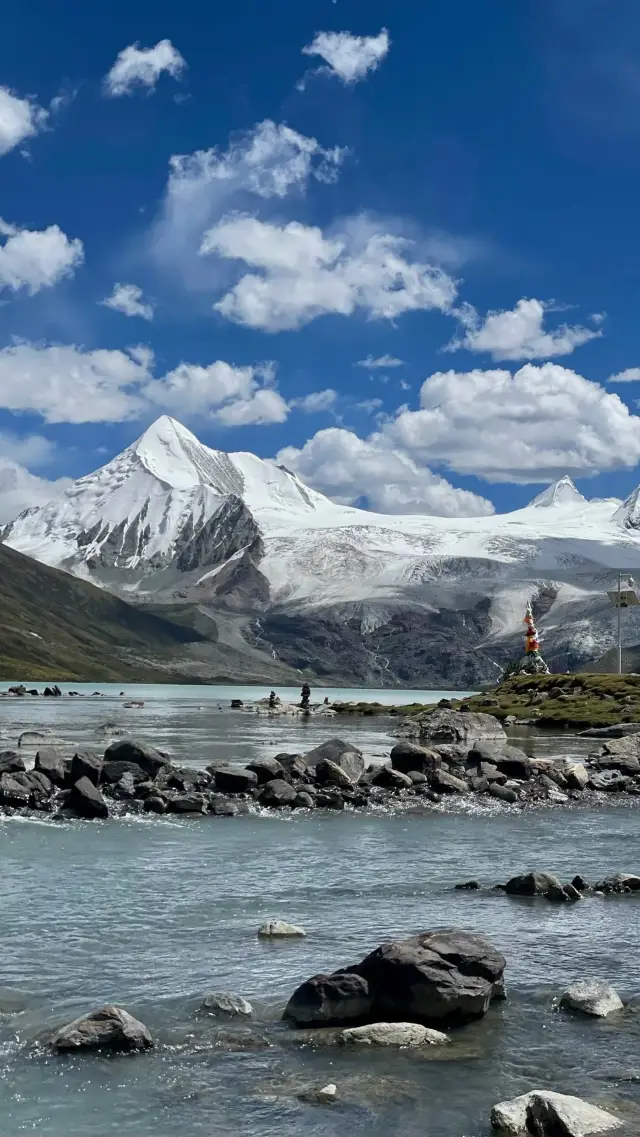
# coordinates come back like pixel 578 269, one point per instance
pixel 504 793
pixel 608 781
pixel 621 882
pixel 41 789
pixel 467 886
pixel 619 730
pixel 109 1028
pixel 187 803
pixel 85 764
pixel 232 781
pixel 509 760
pixel 155 804
pixel 114 771
pixel 332 799
pixel 329 773
pixel 86 800
pixel 591 997
pixel 407 756
pixel 50 763
pixel 348 757
pixel 549 1114
pixel 330 1000
pixel 266 769
pixel 536 884
pixel 391 779
pixel 328 1095
pixel 572 892
pixel 444 783
pixel 225 1005
pixel 577 776
pixel 13 792
pixel 447 977
pixel 458 727
pixel 130 750
pixel 303 801
pixel 393 1034
pixel 417 779
pixel 279 929
pixel 125 788
pixel 11 763
pixel 292 764
pixel 278 793
pixel 580 884
pixel 221 806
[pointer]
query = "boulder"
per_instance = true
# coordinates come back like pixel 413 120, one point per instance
pixel 279 929
pixel 509 760
pixel 328 773
pixel 621 882
pixel 467 886
pixel 458 728
pixel 130 750
pixel 442 978
pixel 444 783
pixel 222 1004
pixel 536 884
pixel 391 779
pixel 86 800
pixel 549 1114
pixel 235 781
pixel 417 778
pixel 303 801
pixel 109 1028
pixel 266 769
pixel 114 771
pixel 503 793
pixel 348 757
pixel 11 763
pixel 591 997
pixel 221 806
pixel 155 804
pixel 50 763
pixel 393 1034
pixel 407 756
pixel 326 1095
pixel 332 799
pixel 41 789
pixel 330 1000
pixel 608 781
pixel 187 803
pixel 278 793
pixel 292 764
pixel 85 764
pixel 577 776
pixel 13 791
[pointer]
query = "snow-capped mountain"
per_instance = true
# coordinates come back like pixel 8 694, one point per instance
pixel 337 589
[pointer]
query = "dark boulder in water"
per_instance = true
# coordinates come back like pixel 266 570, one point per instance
pixel 407 756
pixel 86 800
pixel 85 764
pixel 234 781
pixel 114 771
pixel 109 1028
pixel 278 793
pixel 330 1000
pixel 130 750
pixel 56 768
pixel 266 769
pixel 11 763
pixel 13 791
pixel 343 754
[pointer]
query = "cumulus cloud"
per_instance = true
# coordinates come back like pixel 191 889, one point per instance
pixel 19 119
pixel 517 334
pixel 630 375
pixel 19 488
pixel 304 274
pixel 532 426
pixel 36 259
pixel 268 162
pixel 69 384
pixel 316 402
pixel 369 405
pixel 348 468
pixel 349 57
pixel 381 361
pixel 142 67
pixel 128 299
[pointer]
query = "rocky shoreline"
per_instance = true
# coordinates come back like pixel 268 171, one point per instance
pixel 441 757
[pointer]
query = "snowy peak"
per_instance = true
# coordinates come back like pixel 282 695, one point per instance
pixel 562 492
pixel 173 455
pixel 628 515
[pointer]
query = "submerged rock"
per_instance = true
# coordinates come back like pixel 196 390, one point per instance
pixel 549 1114
pixel 537 884
pixel 330 1000
pixel 109 1028
pixel 326 1095
pixel 393 1034
pixel 223 1004
pixel 279 929
pixel 591 997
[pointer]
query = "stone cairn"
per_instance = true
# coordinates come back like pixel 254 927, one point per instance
pixel 532 662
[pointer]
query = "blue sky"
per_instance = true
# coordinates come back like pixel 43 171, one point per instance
pixel 283 192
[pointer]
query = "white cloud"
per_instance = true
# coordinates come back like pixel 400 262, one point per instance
pixel 35 259
pixel 19 119
pixel 517 334
pixel 630 375
pixel 382 361
pixel 316 402
pixel 19 488
pixel 369 405
pixel 268 162
pixel 532 426
pixel 142 67
pixel 345 467
pixel 128 299
pixel 349 57
pixel 68 384
pixel 305 274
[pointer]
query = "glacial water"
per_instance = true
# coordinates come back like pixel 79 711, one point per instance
pixel 152 913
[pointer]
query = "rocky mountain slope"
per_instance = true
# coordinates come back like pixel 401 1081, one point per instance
pixel 292 580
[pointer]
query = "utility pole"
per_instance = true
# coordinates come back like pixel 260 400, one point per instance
pixel 622 598
pixel 619 606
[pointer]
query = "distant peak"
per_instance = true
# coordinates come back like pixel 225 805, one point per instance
pixel 628 515
pixel 562 492
pixel 163 429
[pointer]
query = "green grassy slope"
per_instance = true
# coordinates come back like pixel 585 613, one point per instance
pixel 53 626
